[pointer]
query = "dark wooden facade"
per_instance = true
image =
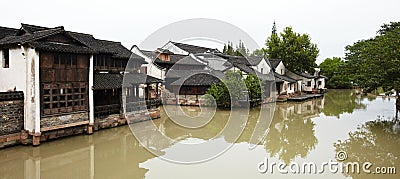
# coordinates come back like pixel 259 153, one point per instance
pixel 105 62
pixel 191 90
pixel 64 82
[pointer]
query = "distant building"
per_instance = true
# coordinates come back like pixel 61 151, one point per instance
pixel 284 83
pixel 186 49
pixel 309 83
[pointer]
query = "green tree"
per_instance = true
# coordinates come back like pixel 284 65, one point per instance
pixel 333 69
pixel 255 88
pixel 374 62
pixel 240 49
pixel 232 88
pixel 258 52
pixel 228 49
pixel 296 50
pixel 229 91
pixel 273 44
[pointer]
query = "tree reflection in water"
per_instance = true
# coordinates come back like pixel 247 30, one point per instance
pixel 292 131
pixel 338 102
pixel 377 142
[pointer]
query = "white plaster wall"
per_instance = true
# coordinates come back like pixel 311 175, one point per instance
pixel 91 92
pixel 304 81
pixel 15 75
pixel 32 95
pixel 322 80
pixel 174 49
pixel 23 74
pixel 262 65
pixel 290 88
pixel 299 86
pixel 280 69
pixel 307 88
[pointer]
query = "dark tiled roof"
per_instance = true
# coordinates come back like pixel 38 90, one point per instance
pixel 193 48
pixel 114 81
pixel 176 57
pixel 249 61
pixel 255 60
pixel 150 54
pixel 29 38
pixel 5 31
pixel 57 47
pixel 244 68
pixel 199 79
pixel 274 62
pixel 249 70
pixel 234 59
pixel 182 73
pixel 95 45
pixel 139 78
pixel 9 96
pixel 281 78
pixel 154 56
pixel 107 81
pixel 117 49
pixel 305 75
pixel 214 62
pixel 32 28
pixel 191 60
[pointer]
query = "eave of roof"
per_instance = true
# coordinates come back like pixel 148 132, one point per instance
pixel 193 48
pixel 115 80
pixel 35 33
pixel 198 79
pixel 281 78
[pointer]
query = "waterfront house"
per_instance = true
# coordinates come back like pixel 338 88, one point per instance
pixel 256 63
pixel 285 85
pixel 69 80
pixel 309 83
pixel 151 68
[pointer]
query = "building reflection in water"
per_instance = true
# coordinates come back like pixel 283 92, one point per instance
pixel 115 153
pixel 292 130
pixel 112 153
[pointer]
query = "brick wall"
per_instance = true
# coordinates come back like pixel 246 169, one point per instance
pixel 63 119
pixel 109 121
pixel 11 112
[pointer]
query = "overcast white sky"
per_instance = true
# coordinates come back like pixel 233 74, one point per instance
pixel 332 24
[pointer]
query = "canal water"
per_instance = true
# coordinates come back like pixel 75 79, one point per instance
pixel 360 128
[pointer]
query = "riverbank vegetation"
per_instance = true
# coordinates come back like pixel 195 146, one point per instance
pixel 369 64
pixel 235 88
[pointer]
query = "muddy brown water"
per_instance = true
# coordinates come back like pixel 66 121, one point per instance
pixel 312 131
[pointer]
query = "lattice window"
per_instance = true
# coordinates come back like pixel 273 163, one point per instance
pixel 64 98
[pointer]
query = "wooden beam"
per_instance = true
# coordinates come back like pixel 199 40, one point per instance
pixel 63 126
